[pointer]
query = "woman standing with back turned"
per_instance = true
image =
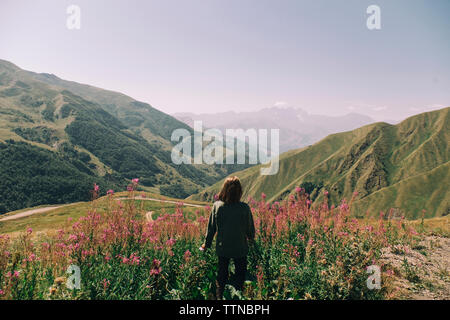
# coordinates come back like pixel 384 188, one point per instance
pixel 232 220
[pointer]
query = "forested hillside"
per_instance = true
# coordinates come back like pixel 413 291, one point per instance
pixel 92 135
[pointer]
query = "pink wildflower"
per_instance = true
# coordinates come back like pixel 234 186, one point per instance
pixel 32 257
pixel 170 242
pixel 154 271
pixel 156 267
pixel 344 206
pixel 135 260
pixel 187 255
pixel 106 284
pixel 156 262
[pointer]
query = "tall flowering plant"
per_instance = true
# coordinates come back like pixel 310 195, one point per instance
pixel 301 251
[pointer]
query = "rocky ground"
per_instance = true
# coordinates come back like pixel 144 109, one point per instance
pixel 421 272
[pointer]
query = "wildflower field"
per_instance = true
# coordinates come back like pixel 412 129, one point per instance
pixel 300 252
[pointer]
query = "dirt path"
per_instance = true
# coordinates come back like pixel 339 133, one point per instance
pixel 45 209
pixel 29 213
pixel 148 216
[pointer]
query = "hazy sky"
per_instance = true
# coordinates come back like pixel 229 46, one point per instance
pixel 242 55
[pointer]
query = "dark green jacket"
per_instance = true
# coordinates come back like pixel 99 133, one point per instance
pixel 234 226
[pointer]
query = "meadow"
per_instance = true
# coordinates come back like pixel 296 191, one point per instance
pixel 301 251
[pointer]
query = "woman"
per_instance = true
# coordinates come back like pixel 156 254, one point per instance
pixel 232 220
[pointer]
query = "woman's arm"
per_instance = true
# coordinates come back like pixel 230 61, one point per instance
pixel 212 228
pixel 250 225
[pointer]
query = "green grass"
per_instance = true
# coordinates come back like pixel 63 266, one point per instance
pixel 439 226
pixel 45 221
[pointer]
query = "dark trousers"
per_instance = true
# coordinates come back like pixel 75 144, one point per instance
pixel 240 270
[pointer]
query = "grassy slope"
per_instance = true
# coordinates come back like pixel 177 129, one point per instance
pixel 426 191
pixel 403 166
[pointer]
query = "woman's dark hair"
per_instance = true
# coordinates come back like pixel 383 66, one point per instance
pixel 231 190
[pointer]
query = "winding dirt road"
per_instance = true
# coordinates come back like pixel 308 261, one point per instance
pixel 29 213
pixel 46 209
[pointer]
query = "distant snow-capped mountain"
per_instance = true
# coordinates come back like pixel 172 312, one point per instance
pixel 298 128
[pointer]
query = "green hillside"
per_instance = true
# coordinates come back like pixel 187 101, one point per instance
pixel 85 134
pixel 31 175
pixel 403 166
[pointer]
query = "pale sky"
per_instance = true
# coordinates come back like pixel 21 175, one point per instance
pixel 242 55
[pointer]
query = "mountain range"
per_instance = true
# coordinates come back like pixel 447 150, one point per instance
pixel 58 138
pixel 298 128
pixel 402 168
